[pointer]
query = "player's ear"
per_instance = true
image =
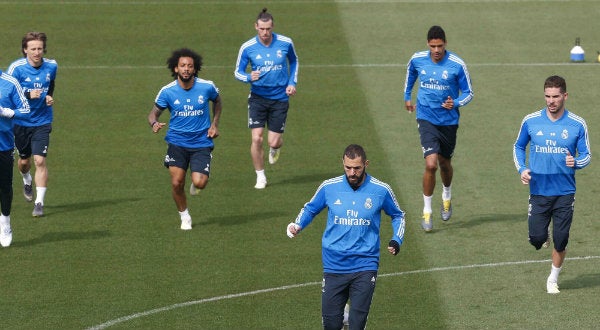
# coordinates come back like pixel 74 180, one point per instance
pixel 366 163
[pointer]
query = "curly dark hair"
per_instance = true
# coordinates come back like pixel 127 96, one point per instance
pixel 173 61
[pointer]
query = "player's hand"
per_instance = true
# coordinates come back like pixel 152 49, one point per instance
pixel 213 132
pixel 448 104
pixel 292 230
pixel 409 106
pixel 526 176
pixel 35 93
pixel 157 126
pixel 254 75
pixel 570 160
pixel 290 90
pixel 393 247
pixel 49 100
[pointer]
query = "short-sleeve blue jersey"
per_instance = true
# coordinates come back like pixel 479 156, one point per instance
pixel 549 142
pixel 437 81
pixel 11 97
pixel 190 112
pixel 32 78
pixel 277 63
pixel 350 241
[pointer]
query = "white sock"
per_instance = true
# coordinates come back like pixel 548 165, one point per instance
pixel 427 204
pixel 5 220
pixel 185 214
pixel 26 178
pixel 261 174
pixel 554 274
pixel 446 192
pixel 40 193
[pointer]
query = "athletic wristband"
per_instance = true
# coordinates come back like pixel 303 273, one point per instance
pixel 395 245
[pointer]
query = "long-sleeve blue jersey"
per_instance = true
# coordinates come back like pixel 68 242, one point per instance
pixel 31 78
pixel 351 238
pixel 437 81
pixel 190 112
pixel 11 97
pixel 549 142
pixel 277 63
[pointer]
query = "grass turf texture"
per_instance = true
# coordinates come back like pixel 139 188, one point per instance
pixel 110 245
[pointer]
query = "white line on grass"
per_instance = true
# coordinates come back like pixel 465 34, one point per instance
pixel 354 65
pixel 243 2
pixel 294 286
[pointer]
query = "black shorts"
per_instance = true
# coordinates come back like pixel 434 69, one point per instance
pixel 437 139
pixel 32 140
pixel 197 159
pixel 560 210
pixel 262 111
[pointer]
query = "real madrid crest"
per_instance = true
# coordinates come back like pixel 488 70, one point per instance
pixel 368 203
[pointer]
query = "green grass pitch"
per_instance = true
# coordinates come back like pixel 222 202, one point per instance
pixel 109 252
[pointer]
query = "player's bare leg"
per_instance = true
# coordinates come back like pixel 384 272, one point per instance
pixel 257 154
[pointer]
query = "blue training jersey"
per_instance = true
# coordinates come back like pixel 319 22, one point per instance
pixel 549 143
pixel 32 78
pixel 351 237
pixel 11 97
pixel 277 63
pixel 437 81
pixel 190 112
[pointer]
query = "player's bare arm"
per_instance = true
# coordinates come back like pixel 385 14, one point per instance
pixel 213 131
pixel 153 119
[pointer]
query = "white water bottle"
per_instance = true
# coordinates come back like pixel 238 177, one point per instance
pixel 577 53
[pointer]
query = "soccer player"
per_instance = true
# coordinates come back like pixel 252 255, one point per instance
pixel 444 86
pixel 351 239
pixel 36 74
pixel 273 77
pixel 190 134
pixel 13 106
pixel 558 146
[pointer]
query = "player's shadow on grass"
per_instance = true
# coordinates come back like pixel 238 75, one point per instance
pixel 63 236
pixel 484 219
pixel 305 178
pixel 234 220
pixel 66 208
pixel 581 282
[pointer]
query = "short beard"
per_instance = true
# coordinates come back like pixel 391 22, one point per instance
pixel 186 80
pixel 358 182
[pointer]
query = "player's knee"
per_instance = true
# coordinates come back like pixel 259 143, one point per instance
pixel 538 241
pixel 431 166
pixel 560 241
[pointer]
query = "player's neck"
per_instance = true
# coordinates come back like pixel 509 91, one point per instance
pixel 34 64
pixel 554 116
pixel 186 84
